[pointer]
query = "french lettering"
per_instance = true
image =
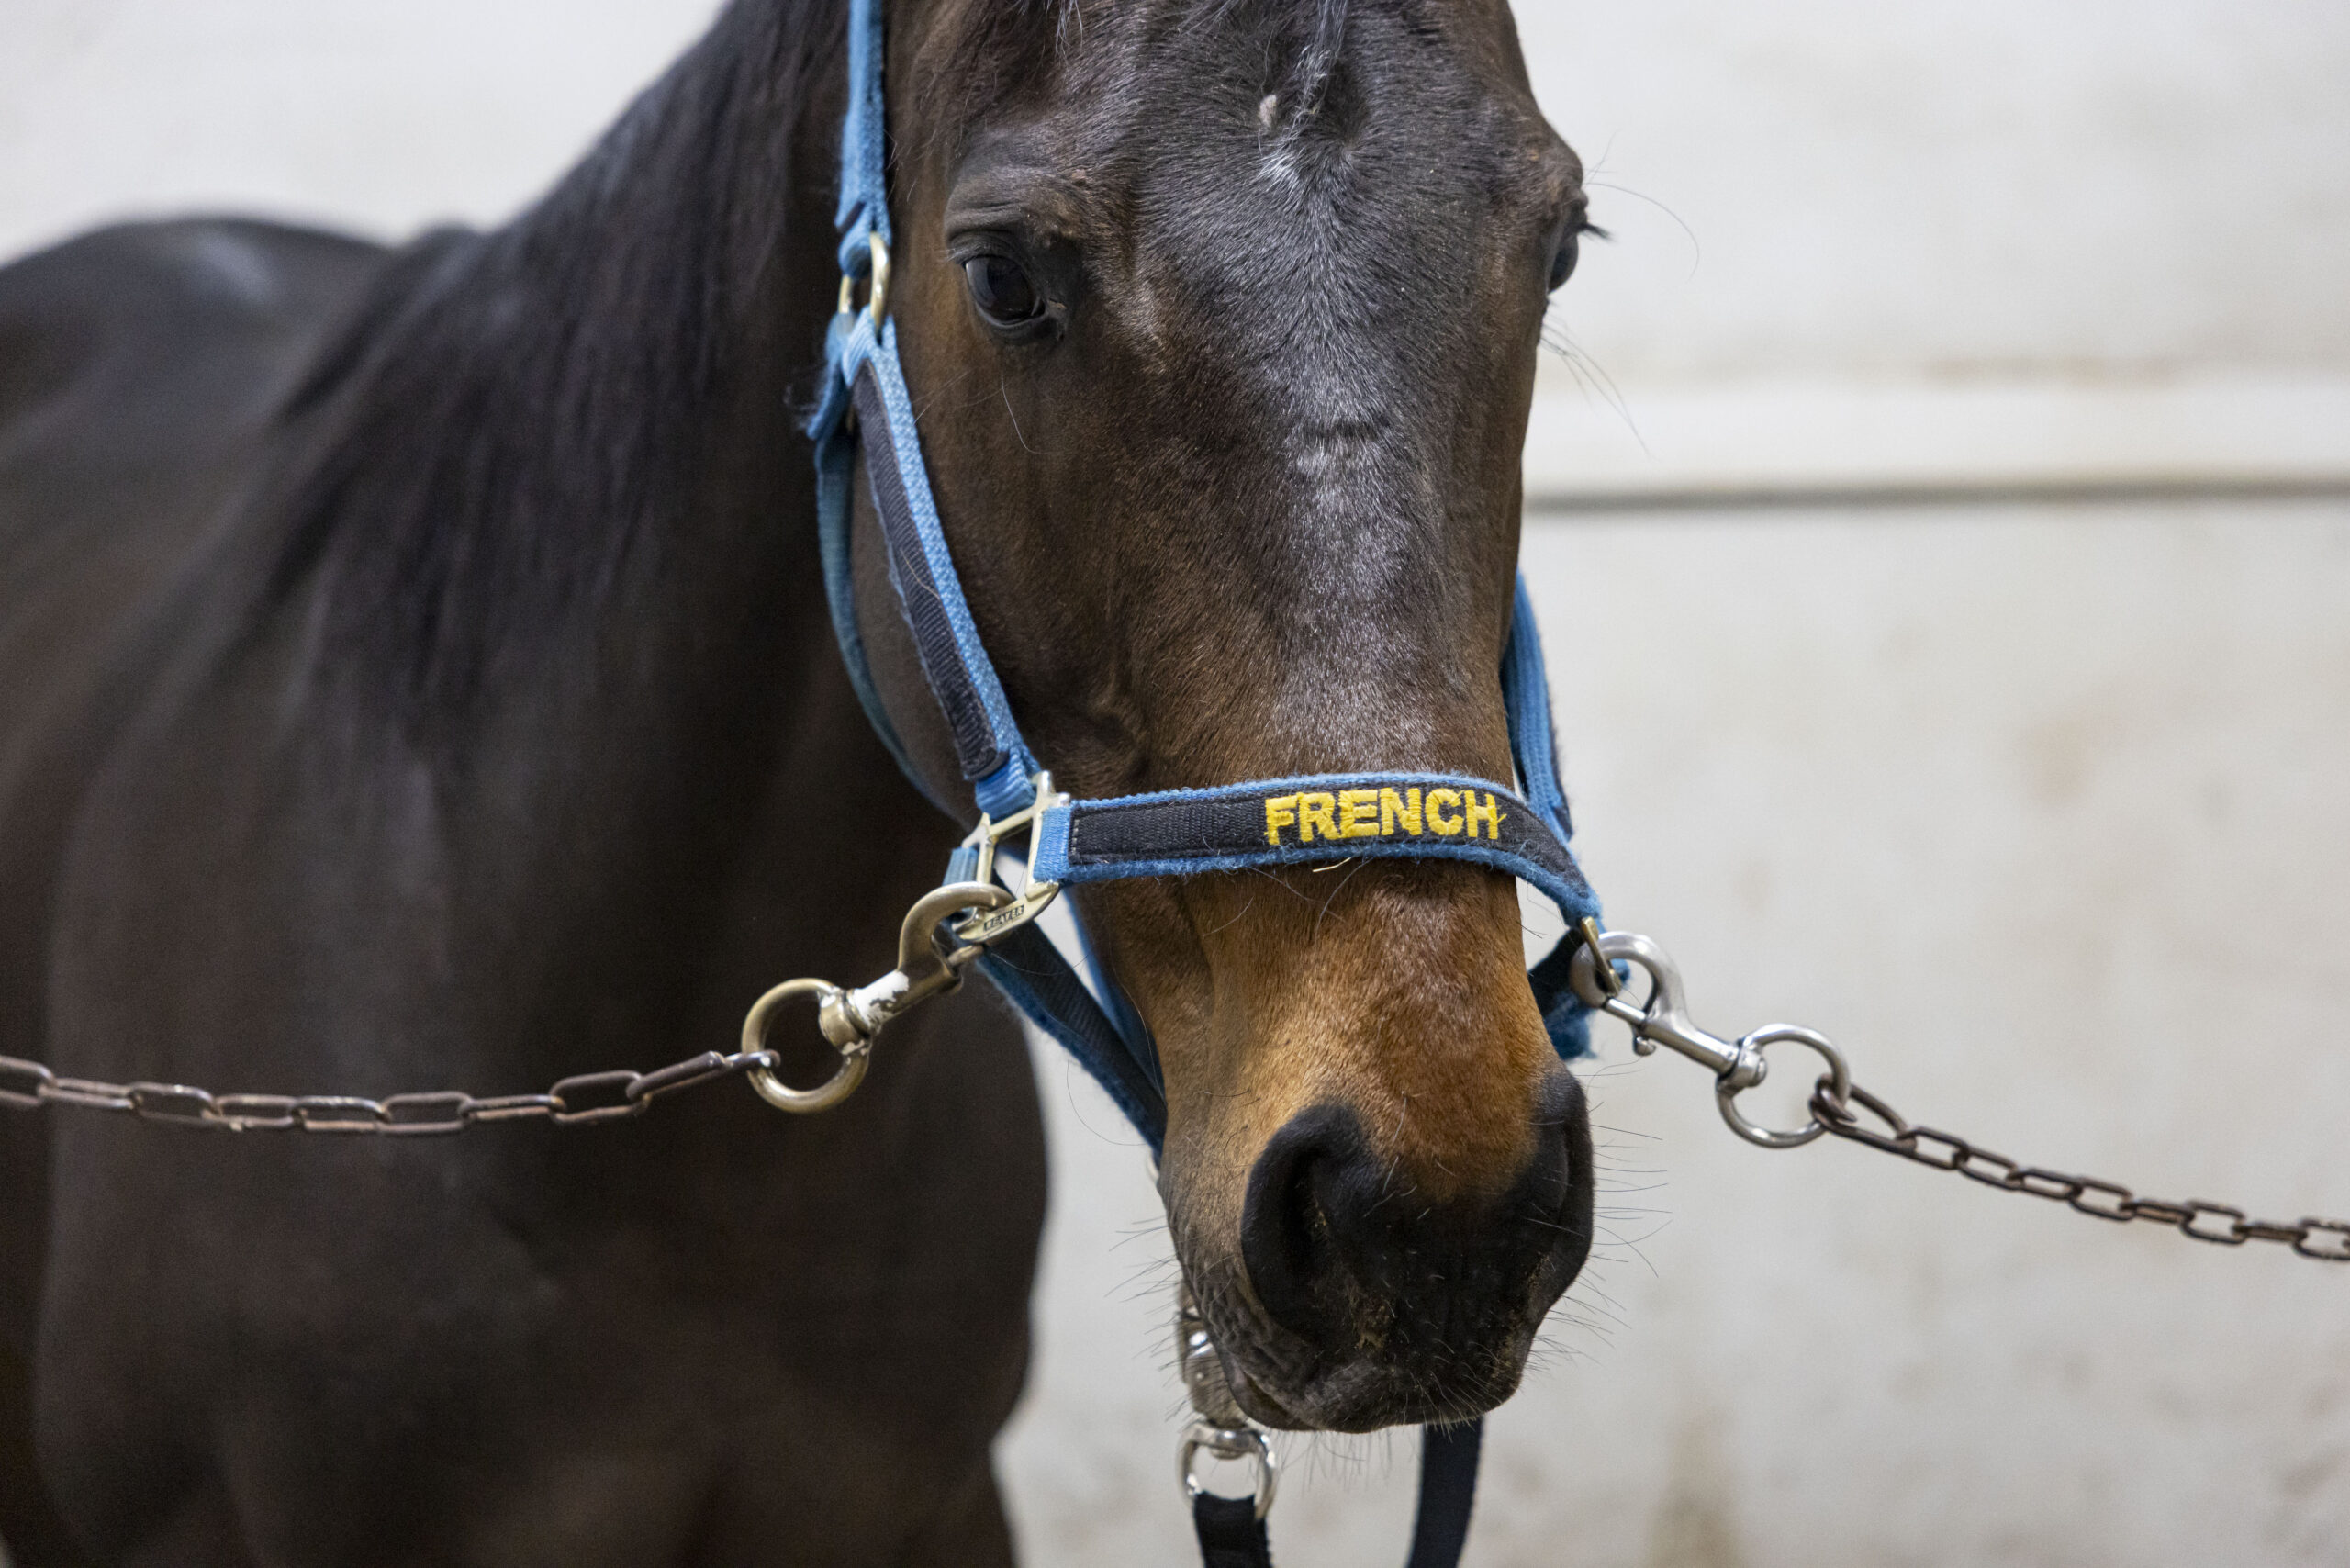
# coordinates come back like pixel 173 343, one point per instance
pixel 1395 811
pixel 1490 814
pixel 1358 813
pixel 1316 813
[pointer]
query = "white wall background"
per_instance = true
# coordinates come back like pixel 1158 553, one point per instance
pixel 2038 810
pixel 2098 188
pixel 1953 246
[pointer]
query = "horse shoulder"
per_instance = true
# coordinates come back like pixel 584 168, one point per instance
pixel 139 369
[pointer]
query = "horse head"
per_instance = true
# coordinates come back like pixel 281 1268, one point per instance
pixel 1220 319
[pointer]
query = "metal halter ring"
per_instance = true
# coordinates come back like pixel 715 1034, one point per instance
pixel 877 302
pixel 856 1056
pixel 1230 1442
pixel 1837 1081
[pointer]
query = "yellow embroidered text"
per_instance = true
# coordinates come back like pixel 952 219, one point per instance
pixel 1318 817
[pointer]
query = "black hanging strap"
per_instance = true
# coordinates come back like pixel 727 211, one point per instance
pixel 1231 1535
pixel 1447 1492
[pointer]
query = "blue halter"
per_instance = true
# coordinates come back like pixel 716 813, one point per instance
pixel 1176 832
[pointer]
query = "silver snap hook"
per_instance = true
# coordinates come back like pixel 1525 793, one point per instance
pixel 1662 1019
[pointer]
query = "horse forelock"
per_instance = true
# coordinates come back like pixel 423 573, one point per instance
pixel 1002 51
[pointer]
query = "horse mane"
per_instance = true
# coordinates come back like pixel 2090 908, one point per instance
pixel 494 446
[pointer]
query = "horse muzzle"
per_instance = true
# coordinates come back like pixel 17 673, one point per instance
pixel 1360 1301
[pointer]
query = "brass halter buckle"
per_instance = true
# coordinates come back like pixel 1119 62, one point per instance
pixel 929 963
pixel 1000 920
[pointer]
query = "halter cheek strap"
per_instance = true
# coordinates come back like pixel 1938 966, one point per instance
pixel 1318 819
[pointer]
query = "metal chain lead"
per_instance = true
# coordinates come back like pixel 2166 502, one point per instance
pixel 933 948
pixel 1662 1019
pixel 2327 1240
pixel 581 1101
pixel 590 1098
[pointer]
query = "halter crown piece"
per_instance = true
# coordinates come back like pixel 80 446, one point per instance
pixel 1176 832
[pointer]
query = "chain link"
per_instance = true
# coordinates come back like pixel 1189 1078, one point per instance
pixel 2327 1240
pixel 1661 1018
pixel 582 1101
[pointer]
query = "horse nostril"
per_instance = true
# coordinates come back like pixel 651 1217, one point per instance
pixel 1559 1188
pixel 1298 1197
pixel 1335 1237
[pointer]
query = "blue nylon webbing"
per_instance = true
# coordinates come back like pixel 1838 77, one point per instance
pixel 1034 976
pixel 863 211
pixel 987 742
pixel 1114 1001
pixel 835 482
pixel 1526 693
pixel 1031 974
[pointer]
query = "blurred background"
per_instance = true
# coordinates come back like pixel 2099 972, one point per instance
pixel 1940 518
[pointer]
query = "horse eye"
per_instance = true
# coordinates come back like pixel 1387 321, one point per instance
pixel 1562 264
pixel 1002 290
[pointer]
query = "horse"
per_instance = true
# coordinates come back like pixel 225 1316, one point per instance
pixel 414 670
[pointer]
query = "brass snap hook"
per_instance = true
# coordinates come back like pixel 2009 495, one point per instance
pixel 851 1019
pixel 931 961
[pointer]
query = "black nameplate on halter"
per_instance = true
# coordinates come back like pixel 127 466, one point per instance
pixel 1314 820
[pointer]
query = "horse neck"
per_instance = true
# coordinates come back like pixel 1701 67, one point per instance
pixel 550 542
pixel 528 435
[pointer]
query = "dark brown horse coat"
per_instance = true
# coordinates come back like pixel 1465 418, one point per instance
pixel 414 673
